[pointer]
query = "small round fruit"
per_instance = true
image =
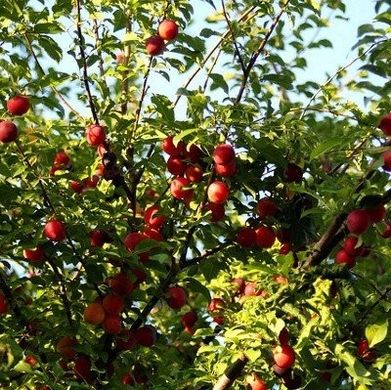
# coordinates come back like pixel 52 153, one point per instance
pixel 255 382
pixel 218 192
pixel 95 135
pixel 153 219
pixel 293 173
pixel 387 231
pixel 216 305
pixel 194 154
pixel 34 255
pixel 168 30
pixel 112 324
pixel 154 45
pixel 385 124
pixel 246 237
pixel 170 148
pixel 77 186
pixel 217 211
pixel 377 214
pixel 358 221
pixel 65 347
pixel 94 313
pixel 227 170
pixel 176 297
pixel 189 319
pixel 223 154
pixel 146 336
pixel 55 230
pixel 178 190
pixel 3 304
pixel 194 173
pixel 284 336
pixel 18 105
pixel 97 238
pixel 240 285
pixel 113 304
pixel 266 207
pixel 350 246
pixel 284 356
pixel 82 367
pixel 265 237
pixel 121 284
pixel 251 290
pixel 387 160
pixel 61 158
pixel 176 166
pixel 8 132
pixel 31 360
pixel 342 257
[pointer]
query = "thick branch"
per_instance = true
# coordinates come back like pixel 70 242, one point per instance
pixel 232 373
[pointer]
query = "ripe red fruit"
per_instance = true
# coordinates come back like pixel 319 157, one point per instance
pixel 169 147
pixel 385 124
pixel 251 290
pixel 265 237
pixel 132 240
pixel 189 319
pixel 54 230
pixel 194 173
pixel 194 154
pixel 98 238
pixel 223 154
pixel 387 160
pixel 153 234
pixel 34 255
pixel 154 45
pixel 153 219
pixel 61 158
pixel 18 105
pixel 127 379
pixel 358 221
pixel 31 360
pixel 227 170
pixel 284 337
pixel 342 257
pixel 255 382
pixel 178 191
pixel 82 368
pixel 218 192
pixel 266 207
pixel 176 297
pixel 8 131
pixel 350 246
pixel 77 186
pixel 65 347
pixel 387 231
pixel 240 285
pixel 168 30
pixel 376 214
pixel 219 320
pixel 284 356
pixel 121 284
pixel 3 304
pixel 285 248
pixel 293 173
pixel 246 237
pixel 126 340
pixel 216 305
pixel 176 166
pixel 112 324
pixel 217 210
pixel 95 135
pixel 364 352
pixel 113 304
pixel 94 313
pixel 146 336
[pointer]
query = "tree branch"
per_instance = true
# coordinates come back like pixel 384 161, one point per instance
pixel 84 61
pixel 233 372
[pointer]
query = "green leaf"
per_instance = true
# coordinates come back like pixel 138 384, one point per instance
pixel 376 333
pixel 326 146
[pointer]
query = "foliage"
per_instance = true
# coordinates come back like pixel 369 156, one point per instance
pixel 243 83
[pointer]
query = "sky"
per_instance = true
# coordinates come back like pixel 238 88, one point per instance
pixel 321 62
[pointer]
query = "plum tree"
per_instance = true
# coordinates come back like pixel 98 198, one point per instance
pixel 194 194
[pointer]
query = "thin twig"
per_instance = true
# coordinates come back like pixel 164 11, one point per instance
pixel 84 60
pixel 40 68
pixel 232 33
pixel 331 78
pixel 232 373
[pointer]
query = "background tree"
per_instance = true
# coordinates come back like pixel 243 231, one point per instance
pixel 235 236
